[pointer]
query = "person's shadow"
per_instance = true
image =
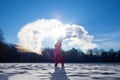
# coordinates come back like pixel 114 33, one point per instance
pixel 59 74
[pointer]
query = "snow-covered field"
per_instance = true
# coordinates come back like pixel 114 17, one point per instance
pixel 47 71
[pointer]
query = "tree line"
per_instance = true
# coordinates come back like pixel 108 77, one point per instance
pixel 9 53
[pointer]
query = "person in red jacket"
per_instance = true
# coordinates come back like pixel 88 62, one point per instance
pixel 58 53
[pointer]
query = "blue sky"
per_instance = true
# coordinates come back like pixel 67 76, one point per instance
pixel 101 18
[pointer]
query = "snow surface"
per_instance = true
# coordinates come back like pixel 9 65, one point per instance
pixel 47 71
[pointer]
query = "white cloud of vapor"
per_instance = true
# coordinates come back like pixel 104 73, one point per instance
pixel 44 32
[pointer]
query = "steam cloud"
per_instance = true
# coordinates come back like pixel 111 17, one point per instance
pixel 44 32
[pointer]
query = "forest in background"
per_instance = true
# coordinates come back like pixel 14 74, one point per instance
pixel 9 53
